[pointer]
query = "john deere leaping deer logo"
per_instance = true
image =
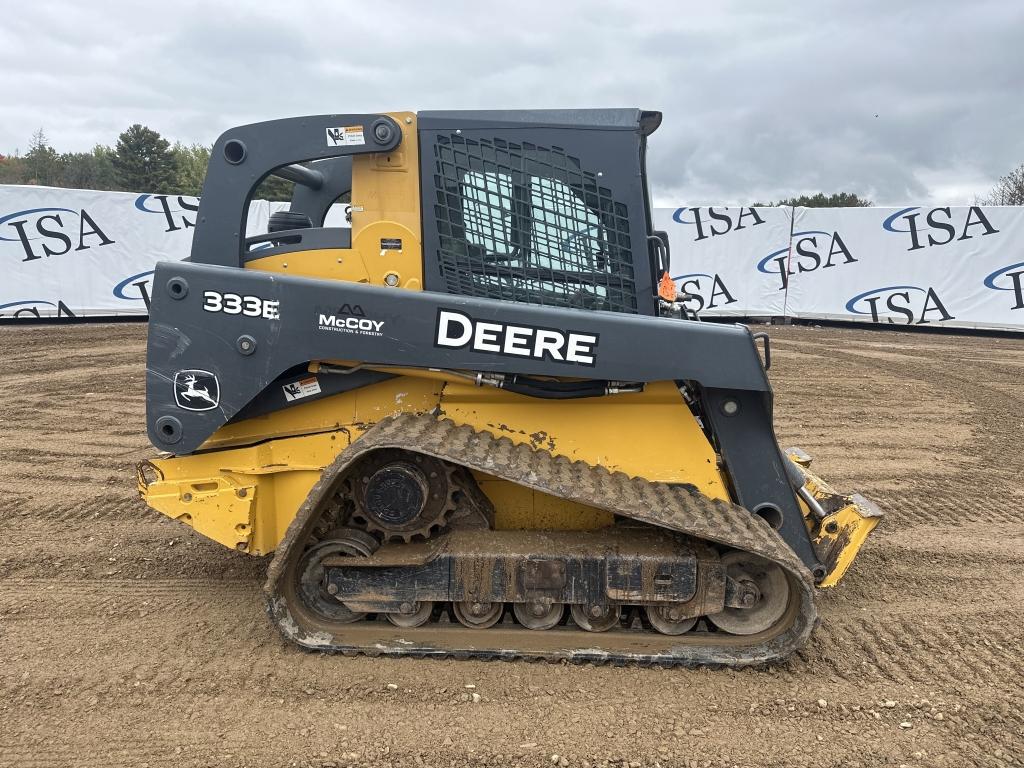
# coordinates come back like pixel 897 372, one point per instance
pixel 196 390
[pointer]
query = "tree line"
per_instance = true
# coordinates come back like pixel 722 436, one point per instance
pixel 144 161
pixel 141 161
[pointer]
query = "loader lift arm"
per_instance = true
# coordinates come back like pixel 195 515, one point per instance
pixel 252 352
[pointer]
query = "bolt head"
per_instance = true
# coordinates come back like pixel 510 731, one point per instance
pixel 246 344
pixel 332 589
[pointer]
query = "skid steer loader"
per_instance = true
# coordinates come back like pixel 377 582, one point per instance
pixel 480 422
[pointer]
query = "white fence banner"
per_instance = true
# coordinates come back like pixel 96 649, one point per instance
pixel 728 258
pixel 79 252
pixel 960 267
pixel 67 252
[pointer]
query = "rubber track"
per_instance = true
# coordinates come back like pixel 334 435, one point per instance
pixel 681 508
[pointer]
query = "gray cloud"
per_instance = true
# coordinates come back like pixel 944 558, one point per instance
pixel 904 102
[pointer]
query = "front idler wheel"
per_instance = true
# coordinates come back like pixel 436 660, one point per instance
pixel 765 579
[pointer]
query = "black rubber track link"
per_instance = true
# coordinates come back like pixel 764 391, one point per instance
pixel 681 508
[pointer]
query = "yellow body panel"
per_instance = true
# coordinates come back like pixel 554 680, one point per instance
pixel 519 508
pixel 321 263
pixel 385 207
pixel 364 406
pixel 243 498
pixel 649 434
pixel 663 443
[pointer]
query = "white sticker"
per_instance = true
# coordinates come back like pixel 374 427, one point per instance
pixel 300 389
pixel 345 136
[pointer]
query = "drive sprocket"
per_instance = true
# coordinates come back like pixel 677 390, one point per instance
pixel 400 495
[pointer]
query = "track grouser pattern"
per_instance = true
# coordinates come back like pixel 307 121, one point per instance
pixel 682 509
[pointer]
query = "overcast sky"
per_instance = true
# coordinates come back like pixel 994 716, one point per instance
pixel 905 102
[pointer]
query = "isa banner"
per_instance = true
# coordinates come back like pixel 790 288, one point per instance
pixel 946 266
pixel 69 252
pixel 729 258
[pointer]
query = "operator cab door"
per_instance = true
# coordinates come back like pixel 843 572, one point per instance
pixel 546 207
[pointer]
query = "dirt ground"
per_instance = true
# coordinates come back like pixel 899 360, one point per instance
pixel 126 639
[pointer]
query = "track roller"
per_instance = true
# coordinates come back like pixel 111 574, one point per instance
pixel 596 618
pixel 538 615
pixel 417 615
pixel 477 615
pixel 669 620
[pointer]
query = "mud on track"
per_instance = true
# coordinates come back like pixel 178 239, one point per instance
pixel 126 639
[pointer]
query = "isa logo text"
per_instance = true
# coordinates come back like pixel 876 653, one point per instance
pixel 915 305
pixel 176 210
pixel 938 226
pixel 1011 280
pixel 714 222
pixel 812 250
pixel 44 232
pixel 706 291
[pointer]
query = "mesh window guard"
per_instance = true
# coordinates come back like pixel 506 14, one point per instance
pixel 519 222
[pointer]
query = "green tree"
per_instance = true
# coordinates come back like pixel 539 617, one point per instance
pixel 838 200
pixel 190 163
pixel 42 164
pixel 274 188
pixel 144 162
pixel 89 170
pixel 11 169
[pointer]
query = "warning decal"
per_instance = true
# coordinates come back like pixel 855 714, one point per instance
pixel 300 389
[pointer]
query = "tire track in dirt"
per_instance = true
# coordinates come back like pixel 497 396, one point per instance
pixel 126 638
pixel 913 646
